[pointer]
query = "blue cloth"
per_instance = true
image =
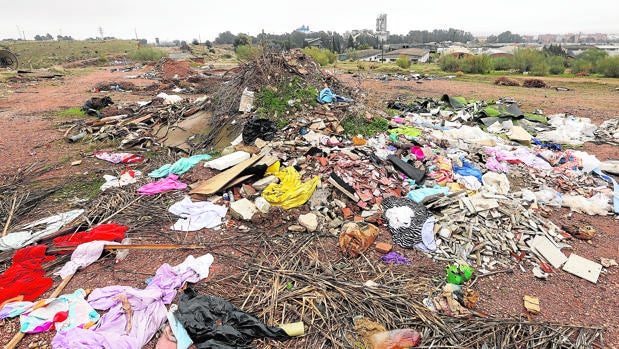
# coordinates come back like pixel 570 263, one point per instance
pixel 326 96
pixel 546 144
pixel 615 188
pixel 467 169
pixel 179 167
pixel 418 195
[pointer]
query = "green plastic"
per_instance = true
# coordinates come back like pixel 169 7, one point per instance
pixel 458 274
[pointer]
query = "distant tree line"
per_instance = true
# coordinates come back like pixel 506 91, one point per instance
pixel 336 42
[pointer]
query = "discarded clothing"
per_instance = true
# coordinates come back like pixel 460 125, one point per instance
pixel 213 322
pixel 290 191
pixel 496 182
pixel 326 96
pixel 183 341
pixel 117 158
pixel 197 215
pixel 181 166
pixel 264 129
pixel 418 195
pixel 615 188
pixel 52 224
pixel 148 305
pixel 26 276
pixel 494 165
pixel 169 183
pixel 83 256
pixel 104 232
pixel 467 169
pixel 410 223
pixel 468 182
pixel 126 177
pixel 395 258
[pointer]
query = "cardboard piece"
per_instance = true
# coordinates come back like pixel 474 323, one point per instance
pixel 531 303
pixel 176 135
pixel 216 183
pixel 548 250
pixel 583 268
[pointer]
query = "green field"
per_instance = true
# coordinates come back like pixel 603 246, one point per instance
pixel 44 54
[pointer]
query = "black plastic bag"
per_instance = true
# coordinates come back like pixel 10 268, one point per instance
pixel 264 129
pixel 215 323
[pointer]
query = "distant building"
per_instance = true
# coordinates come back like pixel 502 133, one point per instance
pixel 414 55
pixel 457 51
pixel 313 42
pixel 382 34
pixel 303 29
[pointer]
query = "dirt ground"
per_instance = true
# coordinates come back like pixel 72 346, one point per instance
pixel 28 133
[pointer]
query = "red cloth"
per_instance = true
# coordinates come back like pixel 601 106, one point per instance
pixel 25 276
pixel 105 232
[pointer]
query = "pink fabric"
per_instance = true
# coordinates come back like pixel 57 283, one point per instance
pixel 494 165
pixel 125 158
pixel 162 185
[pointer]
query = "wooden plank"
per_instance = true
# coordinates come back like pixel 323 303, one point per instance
pixel 215 183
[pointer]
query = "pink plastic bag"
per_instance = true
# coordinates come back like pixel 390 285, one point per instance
pixel 395 339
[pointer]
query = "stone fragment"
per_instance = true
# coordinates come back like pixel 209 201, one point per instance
pixel 309 221
pixel 243 209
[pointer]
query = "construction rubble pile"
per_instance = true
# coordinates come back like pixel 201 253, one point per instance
pixel 470 184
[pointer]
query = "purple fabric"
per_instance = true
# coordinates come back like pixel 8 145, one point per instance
pixel 169 183
pixel 395 258
pixel 149 312
pixel 494 165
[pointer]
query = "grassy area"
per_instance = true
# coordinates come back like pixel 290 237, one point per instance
pixel 44 54
pixel 71 113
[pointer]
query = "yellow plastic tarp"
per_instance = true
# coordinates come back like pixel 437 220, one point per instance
pixel 290 191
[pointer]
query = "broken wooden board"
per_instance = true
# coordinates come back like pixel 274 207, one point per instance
pixel 216 183
pixel 548 250
pixel 583 268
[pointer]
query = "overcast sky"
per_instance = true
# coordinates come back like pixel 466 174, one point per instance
pixel 204 19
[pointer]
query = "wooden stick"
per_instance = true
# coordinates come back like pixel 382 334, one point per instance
pixel 20 335
pixel 58 249
pixel 8 220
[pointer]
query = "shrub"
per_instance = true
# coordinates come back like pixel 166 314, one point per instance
pixel 505 81
pixel 148 54
pixel 361 65
pixel 556 65
pixel 321 56
pixel 540 68
pixel 246 52
pixel 581 67
pixel 525 59
pixel 593 56
pixel 534 83
pixel 449 63
pixel 481 64
pixel 358 125
pixel 403 62
pixel 609 66
pixel 270 102
pixel 503 63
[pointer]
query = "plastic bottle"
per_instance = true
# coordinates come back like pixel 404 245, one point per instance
pixel 122 253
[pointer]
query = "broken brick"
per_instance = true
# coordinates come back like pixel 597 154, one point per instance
pixel 383 247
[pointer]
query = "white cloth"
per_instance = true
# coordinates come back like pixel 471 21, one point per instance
pixel 469 182
pixel 197 215
pixel 27 236
pixel 399 217
pixel 84 255
pixel 124 179
pixel 200 265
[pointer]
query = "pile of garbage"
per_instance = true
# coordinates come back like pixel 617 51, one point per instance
pixel 470 183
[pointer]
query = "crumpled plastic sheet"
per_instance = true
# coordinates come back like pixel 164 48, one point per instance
pixel 166 184
pixel 264 129
pixel 52 224
pixel 215 323
pixel 290 191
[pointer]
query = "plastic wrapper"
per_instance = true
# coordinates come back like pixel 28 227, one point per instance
pixel 357 237
pixel 290 191
pixel 395 339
